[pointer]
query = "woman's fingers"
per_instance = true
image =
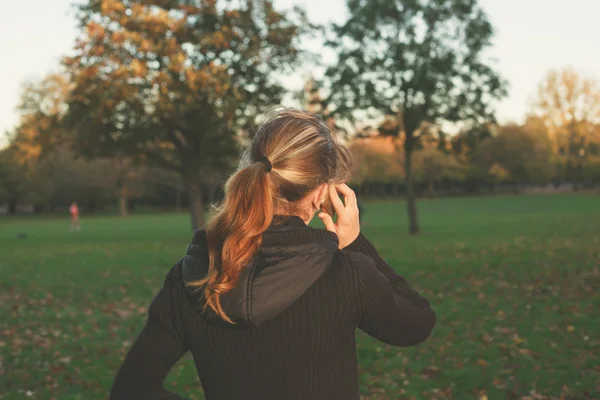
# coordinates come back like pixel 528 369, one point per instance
pixel 336 201
pixel 349 195
pixel 327 221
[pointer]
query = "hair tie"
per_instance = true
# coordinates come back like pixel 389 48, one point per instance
pixel 266 162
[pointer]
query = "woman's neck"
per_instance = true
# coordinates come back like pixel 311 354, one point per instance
pixel 304 216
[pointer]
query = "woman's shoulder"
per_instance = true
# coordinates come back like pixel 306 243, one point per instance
pixel 189 265
pixel 351 267
pixel 354 260
pixel 174 274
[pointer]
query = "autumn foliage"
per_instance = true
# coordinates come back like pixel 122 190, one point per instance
pixel 173 83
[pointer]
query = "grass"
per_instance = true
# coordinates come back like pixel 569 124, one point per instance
pixel 514 280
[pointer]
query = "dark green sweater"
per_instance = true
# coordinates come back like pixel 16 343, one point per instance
pixel 295 337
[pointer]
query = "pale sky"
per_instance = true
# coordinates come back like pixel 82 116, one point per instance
pixel 533 36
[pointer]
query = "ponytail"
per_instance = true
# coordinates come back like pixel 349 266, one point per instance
pixel 292 153
pixel 234 234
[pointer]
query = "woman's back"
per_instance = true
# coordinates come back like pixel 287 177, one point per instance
pixel 306 351
pixel 301 350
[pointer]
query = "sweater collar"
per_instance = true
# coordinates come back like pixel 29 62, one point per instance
pixel 288 220
pixel 291 230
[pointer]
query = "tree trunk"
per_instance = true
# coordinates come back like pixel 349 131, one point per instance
pixel 431 189
pixel 194 188
pixel 178 198
pixel 411 202
pixel 12 207
pixel 123 210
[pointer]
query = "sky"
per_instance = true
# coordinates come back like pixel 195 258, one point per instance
pixel 532 37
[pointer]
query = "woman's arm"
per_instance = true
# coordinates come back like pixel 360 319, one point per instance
pixel 156 350
pixel 390 310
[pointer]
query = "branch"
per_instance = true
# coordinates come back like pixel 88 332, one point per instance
pixel 161 161
pixel 179 145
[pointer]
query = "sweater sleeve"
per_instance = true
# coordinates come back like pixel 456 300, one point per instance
pixel 390 309
pixel 156 350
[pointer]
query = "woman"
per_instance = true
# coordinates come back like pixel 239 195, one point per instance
pixel 268 306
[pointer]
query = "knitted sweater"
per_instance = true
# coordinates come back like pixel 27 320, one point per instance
pixel 296 310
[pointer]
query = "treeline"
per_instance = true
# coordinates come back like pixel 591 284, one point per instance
pixel 156 98
pixel 488 159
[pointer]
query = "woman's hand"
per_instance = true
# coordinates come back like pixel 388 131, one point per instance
pixel 347 227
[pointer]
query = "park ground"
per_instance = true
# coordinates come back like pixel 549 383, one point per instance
pixel 515 282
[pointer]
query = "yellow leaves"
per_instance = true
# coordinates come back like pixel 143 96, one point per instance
pixel 89 72
pixel 498 172
pixel 112 6
pixel 525 352
pixel 176 64
pixel 431 372
pixel 138 68
pixel 118 37
pixel 97 51
pixel 219 39
pixel 121 72
pixel 171 45
pixel 161 16
pixel 500 314
pixel 164 90
pixel 570 328
pixel 216 40
pixel 137 9
pixel 145 45
pixel 482 363
pixel 28 147
pixel 518 339
pixel 178 26
pixel 233 14
pixel 203 77
pixel 95 30
pixel 190 9
pixel 211 78
pixel 498 384
pixel 487 339
pixel 190 77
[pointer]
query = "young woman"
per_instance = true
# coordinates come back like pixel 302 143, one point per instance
pixel 268 306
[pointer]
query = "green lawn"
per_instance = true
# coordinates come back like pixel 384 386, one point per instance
pixel 515 282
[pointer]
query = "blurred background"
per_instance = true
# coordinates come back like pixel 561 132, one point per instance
pixel 475 126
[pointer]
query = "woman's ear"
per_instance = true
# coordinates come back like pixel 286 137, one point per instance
pixel 323 190
pixel 320 195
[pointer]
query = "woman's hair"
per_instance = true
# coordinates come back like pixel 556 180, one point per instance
pixel 291 154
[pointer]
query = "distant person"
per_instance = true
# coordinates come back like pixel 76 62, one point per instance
pixel 268 306
pixel 74 211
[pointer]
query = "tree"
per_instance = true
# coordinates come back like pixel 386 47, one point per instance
pixel 41 108
pixel 520 153
pixel 432 166
pixel 375 160
pixel 125 178
pixel 570 107
pixel 14 179
pixel 313 100
pixel 171 83
pixel 412 62
pixel 464 143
